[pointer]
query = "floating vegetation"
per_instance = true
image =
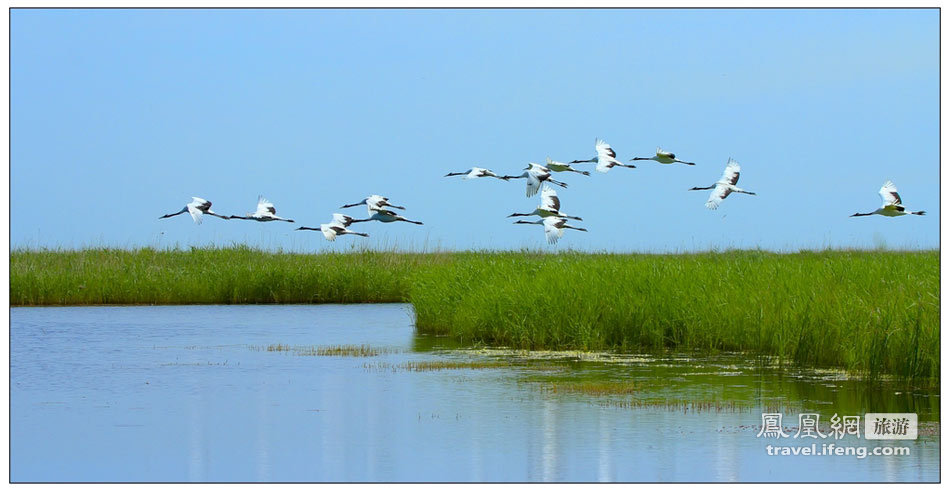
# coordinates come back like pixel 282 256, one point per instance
pixel 595 387
pixel 430 366
pixel 684 407
pixel 439 365
pixel 361 350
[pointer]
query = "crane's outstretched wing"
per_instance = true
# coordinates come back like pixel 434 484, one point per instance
pixel 718 194
pixel 731 174
pixel 330 230
pixel 532 185
pixel 604 150
pixel 549 199
pixel 265 207
pixel 341 220
pixel 889 194
pixel 200 203
pixel 477 172
pixel 663 153
pixel 195 212
pixel 551 230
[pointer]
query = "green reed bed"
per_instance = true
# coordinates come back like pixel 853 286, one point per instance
pixel 870 312
pixel 873 312
pixel 237 275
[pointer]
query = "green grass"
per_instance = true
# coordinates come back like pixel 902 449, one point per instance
pixel 872 312
pixel 237 275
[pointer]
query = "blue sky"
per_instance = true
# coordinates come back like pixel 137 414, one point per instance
pixel 121 116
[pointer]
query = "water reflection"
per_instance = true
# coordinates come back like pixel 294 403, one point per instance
pixel 187 394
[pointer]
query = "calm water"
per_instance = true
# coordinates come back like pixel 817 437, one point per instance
pixel 192 394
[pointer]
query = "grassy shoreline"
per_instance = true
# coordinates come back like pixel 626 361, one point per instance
pixel 871 312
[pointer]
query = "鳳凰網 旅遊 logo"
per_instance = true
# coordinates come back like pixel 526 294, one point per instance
pixel 877 426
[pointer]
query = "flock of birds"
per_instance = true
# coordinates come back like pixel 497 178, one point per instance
pixel 379 208
pixel 266 212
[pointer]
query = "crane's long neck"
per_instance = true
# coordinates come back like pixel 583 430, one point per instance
pixel 700 189
pixel 174 214
pixel 863 214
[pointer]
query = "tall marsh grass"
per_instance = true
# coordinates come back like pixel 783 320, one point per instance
pixel 873 312
pixel 870 312
pixel 237 275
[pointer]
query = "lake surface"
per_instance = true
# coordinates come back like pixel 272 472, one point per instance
pixel 247 393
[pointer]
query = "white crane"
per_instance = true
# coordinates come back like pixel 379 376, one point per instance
pixel 724 186
pixel 265 212
pixel 196 208
pixel 550 206
pixel 664 157
pixel 892 206
pixel 386 216
pixel 476 172
pixel 555 166
pixel 336 227
pixel 553 227
pixel 536 174
pixel 605 159
pixel 373 202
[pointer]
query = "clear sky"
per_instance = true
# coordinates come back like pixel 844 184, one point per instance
pixel 121 116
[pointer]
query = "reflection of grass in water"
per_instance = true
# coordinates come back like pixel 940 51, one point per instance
pixel 362 350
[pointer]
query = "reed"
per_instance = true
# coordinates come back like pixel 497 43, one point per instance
pixel 869 312
pixel 235 275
